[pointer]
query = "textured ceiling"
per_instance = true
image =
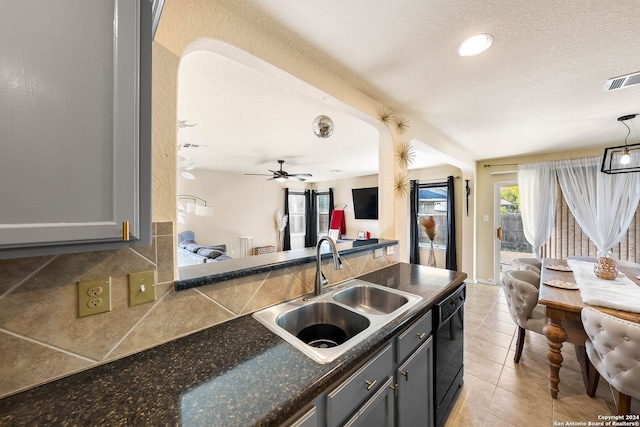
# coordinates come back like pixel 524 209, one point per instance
pixel 537 89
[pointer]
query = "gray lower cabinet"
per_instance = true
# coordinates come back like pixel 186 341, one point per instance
pixel 378 411
pixel 414 374
pixel 309 419
pixel 359 387
pixel 76 126
pixel 414 379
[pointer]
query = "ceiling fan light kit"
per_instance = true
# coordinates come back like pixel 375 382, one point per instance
pixel 624 158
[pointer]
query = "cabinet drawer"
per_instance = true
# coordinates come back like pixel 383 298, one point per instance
pixel 410 339
pixel 309 419
pixel 342 401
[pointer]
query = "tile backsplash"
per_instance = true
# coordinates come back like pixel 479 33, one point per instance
pixel 42 338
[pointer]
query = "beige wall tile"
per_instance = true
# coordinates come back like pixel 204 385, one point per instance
pixel 149 252
pixel 235 294
pixel 176 315
pixel 12 271
pixel 306 273
pixel 372 264
pixel 356 261
pixel 45 306
pixel 24 364
pixel 165 252
pixel 394 257
pixel 164 228
pixel 280 285
pixel 340 275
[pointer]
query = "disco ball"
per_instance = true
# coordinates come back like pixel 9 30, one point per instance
pixel 323 126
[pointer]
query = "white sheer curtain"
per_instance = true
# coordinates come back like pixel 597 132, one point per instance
pixel 603 205
pixel 537 185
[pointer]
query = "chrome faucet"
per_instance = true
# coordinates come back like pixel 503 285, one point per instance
pixel 337 264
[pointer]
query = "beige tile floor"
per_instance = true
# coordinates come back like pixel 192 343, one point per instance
pixel 499 392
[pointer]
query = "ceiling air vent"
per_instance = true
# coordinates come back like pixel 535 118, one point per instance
pixel 622 82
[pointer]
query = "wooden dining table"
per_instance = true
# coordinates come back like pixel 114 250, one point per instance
pixel 562 308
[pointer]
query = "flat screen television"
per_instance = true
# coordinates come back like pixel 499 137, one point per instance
pixel 365 202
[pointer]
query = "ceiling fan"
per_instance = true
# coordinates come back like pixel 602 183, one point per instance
pixel 281 175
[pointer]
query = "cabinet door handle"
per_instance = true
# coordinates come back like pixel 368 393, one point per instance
pixel 421 336
pixel 370 384
pixel 395 389
pixel 405 374
pixel 125 231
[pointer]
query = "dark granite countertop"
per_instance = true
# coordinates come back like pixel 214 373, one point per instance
pixel 204 274
pixel 237 373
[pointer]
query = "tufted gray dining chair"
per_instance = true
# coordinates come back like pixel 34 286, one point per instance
pixel 613 348
pixel 521 289
pixel 529 263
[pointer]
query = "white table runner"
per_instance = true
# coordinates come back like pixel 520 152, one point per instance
pixel 620 294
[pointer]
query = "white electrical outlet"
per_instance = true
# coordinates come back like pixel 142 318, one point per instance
pixel 390 250
pixel 377 253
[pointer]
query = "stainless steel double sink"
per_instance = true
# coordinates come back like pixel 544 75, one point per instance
pixel 326 326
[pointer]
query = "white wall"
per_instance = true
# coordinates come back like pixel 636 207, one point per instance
pixel 342 196
pixel 244 206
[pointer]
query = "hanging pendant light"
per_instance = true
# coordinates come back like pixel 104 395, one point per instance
pixel 323 125
pixel 624 158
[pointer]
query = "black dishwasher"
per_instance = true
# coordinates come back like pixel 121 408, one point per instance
pixel 449 353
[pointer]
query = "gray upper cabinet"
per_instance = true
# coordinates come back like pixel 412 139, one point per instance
pixel 75 125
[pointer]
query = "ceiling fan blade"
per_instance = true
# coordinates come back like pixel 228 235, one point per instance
pixel 300 174
pixel 297 177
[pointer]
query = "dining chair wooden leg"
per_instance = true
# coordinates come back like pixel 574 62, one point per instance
pixel 624 404
pixel 592 380
pixel 585 365
pixel 519 344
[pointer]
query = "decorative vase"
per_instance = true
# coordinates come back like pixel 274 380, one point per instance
pixel 431 262
pixel 606 267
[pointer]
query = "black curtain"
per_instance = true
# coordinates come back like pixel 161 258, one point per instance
pixel 287 229
pixel 414 238
pixel 311 232
pixel 451 262
pixel 331 207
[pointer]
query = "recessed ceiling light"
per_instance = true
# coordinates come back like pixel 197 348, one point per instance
pixel 475 45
